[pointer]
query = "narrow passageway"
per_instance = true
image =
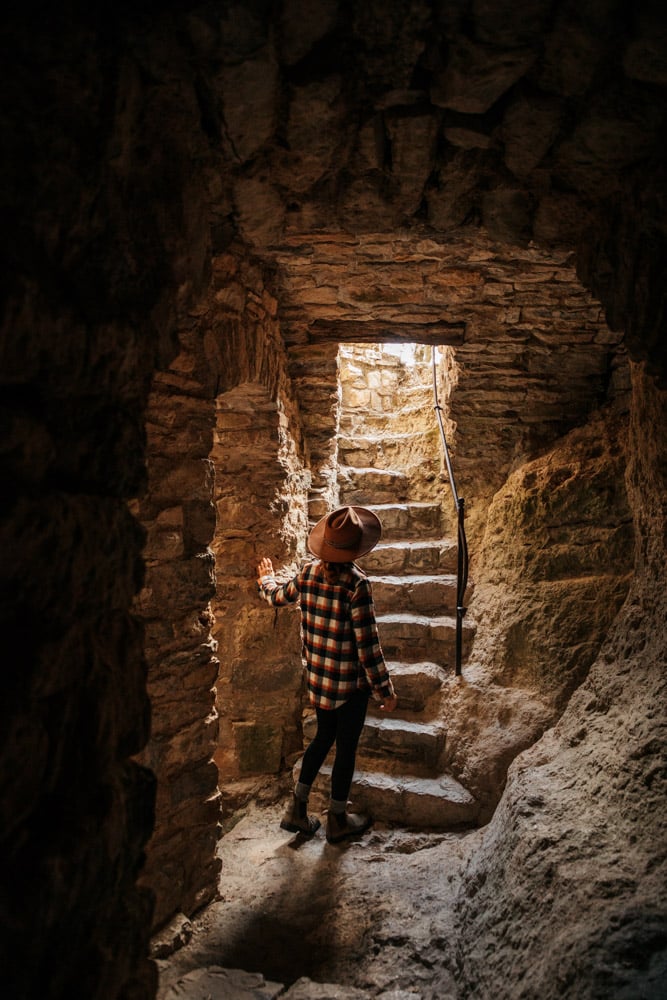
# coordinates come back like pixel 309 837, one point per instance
pixel 389 459
pixel 374 916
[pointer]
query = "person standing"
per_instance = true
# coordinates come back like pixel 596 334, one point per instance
pixel 344 662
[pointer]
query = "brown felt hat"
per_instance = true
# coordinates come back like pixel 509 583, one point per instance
pixel 345 534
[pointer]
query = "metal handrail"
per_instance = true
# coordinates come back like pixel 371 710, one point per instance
pixel 462 554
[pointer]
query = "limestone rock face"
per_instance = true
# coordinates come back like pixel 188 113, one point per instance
pixel 563 849
pixel 556 562
pixel 574 855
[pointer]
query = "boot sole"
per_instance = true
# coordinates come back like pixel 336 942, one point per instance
pixel 350 833
pixel 293 828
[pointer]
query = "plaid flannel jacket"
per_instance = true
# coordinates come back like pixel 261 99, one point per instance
pixel 339 632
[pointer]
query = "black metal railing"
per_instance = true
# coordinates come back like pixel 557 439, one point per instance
pixel 462 553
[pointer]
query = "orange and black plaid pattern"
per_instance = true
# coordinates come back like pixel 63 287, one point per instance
pixel 340 639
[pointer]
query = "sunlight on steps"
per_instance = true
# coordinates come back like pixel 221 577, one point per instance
pixel 400 776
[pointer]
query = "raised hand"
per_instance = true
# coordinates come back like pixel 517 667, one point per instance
pixel 264 568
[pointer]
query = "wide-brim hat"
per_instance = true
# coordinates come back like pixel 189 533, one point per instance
pixel 345 534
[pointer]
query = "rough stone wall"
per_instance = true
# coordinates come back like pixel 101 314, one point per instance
pixel 259 685
pixel 556 562
pixel 101 257
pixel 530 354
pixel 261 499
pixel 565 894
pixel 518 116
pixel 226 482
pixel 314 373
pixel 178 512
pixel 552 570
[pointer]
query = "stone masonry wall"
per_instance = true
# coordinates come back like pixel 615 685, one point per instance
pixel 226 478
pixel 175 604
pixel 314 373
pixel 261 498
pixel 529 352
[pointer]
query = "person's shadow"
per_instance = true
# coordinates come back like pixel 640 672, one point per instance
pixel 302 929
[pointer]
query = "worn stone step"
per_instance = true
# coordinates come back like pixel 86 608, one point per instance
pixel 417 687
pixel 402 745
pixel 371 486
pixel 409 521
pixel 415 592
pixel 391 451
pixel 351 441
pixel 434 555
pixel 414 637
pixel 369 423
pixel 439 803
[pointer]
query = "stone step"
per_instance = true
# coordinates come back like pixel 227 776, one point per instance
pixel 371 486
pixel 403 439
pixel 402 745
pixel 439 803
pixel 409 520
pixel 417 687
pixel 416 415
pixel 434 555
pixel 391 451
pixel 413 638
pixel 418 593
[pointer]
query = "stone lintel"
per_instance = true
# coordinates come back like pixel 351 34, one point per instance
pixel 375 331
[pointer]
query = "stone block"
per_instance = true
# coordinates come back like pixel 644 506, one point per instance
pixel 258 746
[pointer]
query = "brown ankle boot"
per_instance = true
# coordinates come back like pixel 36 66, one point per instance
pixel 297 820
pixel 343 825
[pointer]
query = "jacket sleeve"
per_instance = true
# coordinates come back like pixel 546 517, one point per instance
pixel 369 650
pixel 278 594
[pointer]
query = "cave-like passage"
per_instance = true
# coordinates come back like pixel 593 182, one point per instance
pixel 294 908
pixel 282 452
pixel 387 456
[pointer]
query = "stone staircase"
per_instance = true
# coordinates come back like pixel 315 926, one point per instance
pixel 400 776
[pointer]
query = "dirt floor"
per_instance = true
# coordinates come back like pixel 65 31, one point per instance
pixel 373 916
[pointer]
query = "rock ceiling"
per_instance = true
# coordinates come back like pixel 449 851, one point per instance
pixel 429 171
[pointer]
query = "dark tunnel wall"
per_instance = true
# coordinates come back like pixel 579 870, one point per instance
pixel 104 243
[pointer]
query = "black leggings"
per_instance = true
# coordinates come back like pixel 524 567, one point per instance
pixel 344 725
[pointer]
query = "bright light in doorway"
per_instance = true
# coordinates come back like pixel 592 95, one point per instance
pixel 404 352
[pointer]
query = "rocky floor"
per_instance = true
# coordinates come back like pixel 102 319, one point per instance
pixel 305 919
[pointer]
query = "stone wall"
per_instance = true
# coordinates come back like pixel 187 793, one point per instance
pixel 314 373
pixel 178 513
pixel 528 353
pixel 565 891
pixel 226 483
pixel 261 497
pixel 551 572
pixel 101 258
pixel 556 562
